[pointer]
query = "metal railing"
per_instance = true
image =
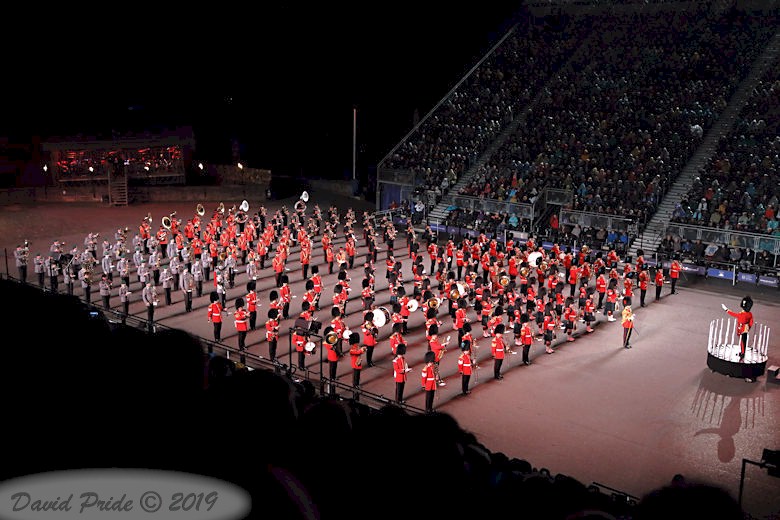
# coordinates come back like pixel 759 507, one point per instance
pixel 569 217
pixel 754 241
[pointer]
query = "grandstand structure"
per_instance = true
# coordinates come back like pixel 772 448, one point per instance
pixel 603 129
pixel 112 167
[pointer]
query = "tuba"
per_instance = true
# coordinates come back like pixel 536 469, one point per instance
pixel 332 338
pixel 241 216
pixel 221 208
pixel 148 218
pixel 434 303
pixel 503 281
pixel 200 210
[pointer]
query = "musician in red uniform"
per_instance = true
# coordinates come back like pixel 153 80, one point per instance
pixel 400 368
pixel 317 281
pixel 438 348
pixel 370 333
pixel 428 380
pixel 215 315
pixel 356 357
pixel 334 353
pixel 674 274
pixel 744 322
pixel 241 322
pixel 498 349
pixel 644 280
pixel 526 340
pixel 272 332
pixel 464 367
pixel 251 303
pixel 601 287
pixel 659 282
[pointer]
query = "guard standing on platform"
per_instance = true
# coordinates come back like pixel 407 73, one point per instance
pixel 674 274
pixel 744 322
pixel 428 380
pixel 659 282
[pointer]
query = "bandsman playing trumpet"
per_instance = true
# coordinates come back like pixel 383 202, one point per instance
pixel 149 297
pixel 105 291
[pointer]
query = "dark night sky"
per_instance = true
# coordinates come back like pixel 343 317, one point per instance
pixel 282 79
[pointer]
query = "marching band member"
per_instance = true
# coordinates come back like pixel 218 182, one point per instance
pixel 526 340
pixel 674 274
pixel 601 287
pixel 627 322
pixel 498 349
pixel 367 294
pixel 251 303
pixel 464 367
pixel 68 277
pixel 612 295
pixel 187 285
pixel 123 268
pixel 230 266
pixel 428 380
pixel 438 349
pixel 20 255
pixel 197 275
pixel 206 263
pixel 643 279
pixel 356 357
pixel 590 311
pixel 39 268
pixel 166 278
pixel 659 282
pixel 219 283
pixel 400 369
pixel 396 338
pixel 370 333
pixel 86 282
pixel 154 266
pixel 549 329
pixel 334 354
pixel 124 298
pixel 149 297
pixel 305 255
pixel 405 312
pixel 105 291
pixel 240 322
pixel 285 296
pixel 317 281
pixel 299 342
pixel 272 332
pixel 570 319
pixel 278 266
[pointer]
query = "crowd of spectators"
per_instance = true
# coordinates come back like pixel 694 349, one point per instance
pixel 83 393
pixel 617 126
pixel 470 119
pixel 739 187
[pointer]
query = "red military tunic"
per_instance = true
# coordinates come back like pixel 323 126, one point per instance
pixel 464 364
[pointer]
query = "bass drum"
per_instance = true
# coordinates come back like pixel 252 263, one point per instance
pixel 310 348
pixel 381 317
pixel 412 305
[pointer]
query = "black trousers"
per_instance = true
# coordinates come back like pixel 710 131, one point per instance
pixel 88 294
pixel 272 350
pixel 253 320
pixel 642 293
pixel 332 370
pixel 601 300
pixel 126 308
pixel 40 279
pixel 627 336
pixel 674 285
pixel 242 340
pixel 23 273
pixel 429 395
pixel 199 288
pixel 167 296
pixel 150 317
pixel 356 377
pixel 217 331
pixel 497 368
pixel 658 292
pixel 302 360
pixel 743 339
pixel 526 351
pixel 106 304
pixel 399 391
pixel 464 383
pixel 369 355
pixel 286 310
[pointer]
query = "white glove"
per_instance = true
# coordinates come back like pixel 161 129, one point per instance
pixel 724 306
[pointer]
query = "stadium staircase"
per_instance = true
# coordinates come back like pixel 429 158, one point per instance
pixel 439 212
pixel 117 192
pixel 651 236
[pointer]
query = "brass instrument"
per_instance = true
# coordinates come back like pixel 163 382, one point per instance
pixel 241 216
pixel 148 218
pixel 524 272
pixel 331 338
pixel 221 208
pixel 433 303
pixel 503 281
pixel 200 210
pixel 166 222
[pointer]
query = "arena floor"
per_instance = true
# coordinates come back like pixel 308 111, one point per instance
pixel 627 419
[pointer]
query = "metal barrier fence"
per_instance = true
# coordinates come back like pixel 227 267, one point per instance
pixel 754 241
pixel 525 211
pixel 570 217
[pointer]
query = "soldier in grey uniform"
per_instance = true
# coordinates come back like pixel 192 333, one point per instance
pixel 221 289
pixel 149 297
pixel 107 265
pixel 171 250
pixel 152 243
pixel 205 261
pixel 186 258
pixel 39 268
pixel 20 255
pixel 230 267
pixel 86 283
pixel 138 259
pixel 144 274
pixel 53 270
pixel 187 285
pixel 175 266
pixel 68 277
pixel 105 291
pixel 138 242
pixel 154 265
pixel 124 297
pixel 166 279
pixel 197 274
pixel 123 268
pixel 251 269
